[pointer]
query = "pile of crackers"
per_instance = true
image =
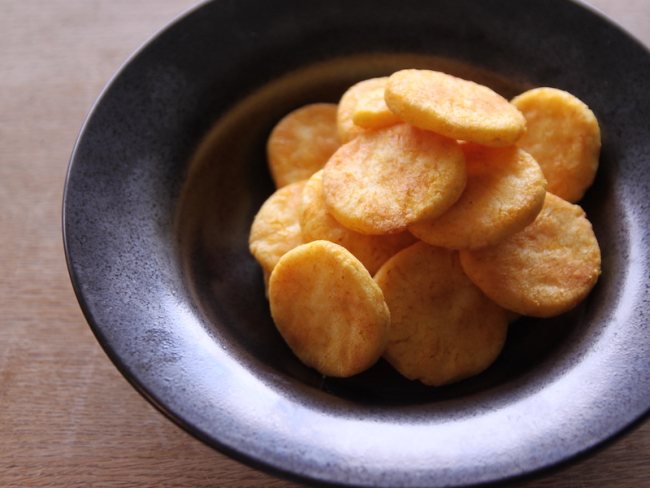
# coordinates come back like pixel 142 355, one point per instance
pixel 419 217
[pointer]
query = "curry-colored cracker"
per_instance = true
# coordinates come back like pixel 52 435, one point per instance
pixel 443 327
pixel 544 270
pixel 505 191
pixel 453 107
pixel 301 143
pixel 386 179
pixel 328 309
pixel 371 111
pixel 564 137
pixel 317 223
pixel 276 227
pixel 363 107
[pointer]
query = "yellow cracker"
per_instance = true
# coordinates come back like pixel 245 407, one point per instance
pixel 443 328
pixel 302 142
pixel 276 228
pixel 328 308
pixel 362 107
pixel 386 179
pixel 317 223
pixel 544 270
pixel 505 191
pixel 564 137
pixel 453 107
pixel 371 111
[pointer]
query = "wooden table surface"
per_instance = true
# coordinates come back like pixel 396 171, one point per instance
pixel 67 417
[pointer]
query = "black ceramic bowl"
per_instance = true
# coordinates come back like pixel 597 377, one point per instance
pixel 170 170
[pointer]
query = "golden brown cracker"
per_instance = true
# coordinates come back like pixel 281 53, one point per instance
pixel 276 227
pixel 386 179
pixel 361 102
pixel 328 309
pixel 317 223
pixel 505 191
pixel 371 111
pixel 443 327
pixel 302 142
pixel 544 270
pixel 453 107
pixel 564 137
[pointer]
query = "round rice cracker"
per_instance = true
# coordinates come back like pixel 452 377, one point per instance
pixel 371 111
pixel 544 270
pixel 505 191
pixel 454 107
pixel 317 223
pixel 301 143
pixel 276 227
pixel 386 179
pixel 363 107
pixel 564 137
pixel 443 327
pixel 328 309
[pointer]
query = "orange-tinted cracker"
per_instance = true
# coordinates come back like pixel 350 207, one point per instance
pixel 505 192
pixel 371 111
pixel 302 142
pixel 564 137
pixel 361 101
pixel 443 328
pixel 386 179
pixel 453 107
pixel 328 308
pixel 317 223
pixel 544 270
pixel 276 228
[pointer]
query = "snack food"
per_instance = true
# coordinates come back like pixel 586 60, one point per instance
pixel 276 227
pixel 364 92
pixel 328 308
pixel 302 142
pixel 486 241
pixel 317 223
pixel 544 270
pixel 505 192
pixel 563 135
pixel 371 111
pixel 453 107
pixel 386 179
pixel 443 327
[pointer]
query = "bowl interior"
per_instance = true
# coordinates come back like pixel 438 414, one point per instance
pixel 229 180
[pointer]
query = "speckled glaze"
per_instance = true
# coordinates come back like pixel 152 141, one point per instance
pixel 169 171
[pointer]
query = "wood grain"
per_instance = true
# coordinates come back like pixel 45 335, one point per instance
pixel 67 417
